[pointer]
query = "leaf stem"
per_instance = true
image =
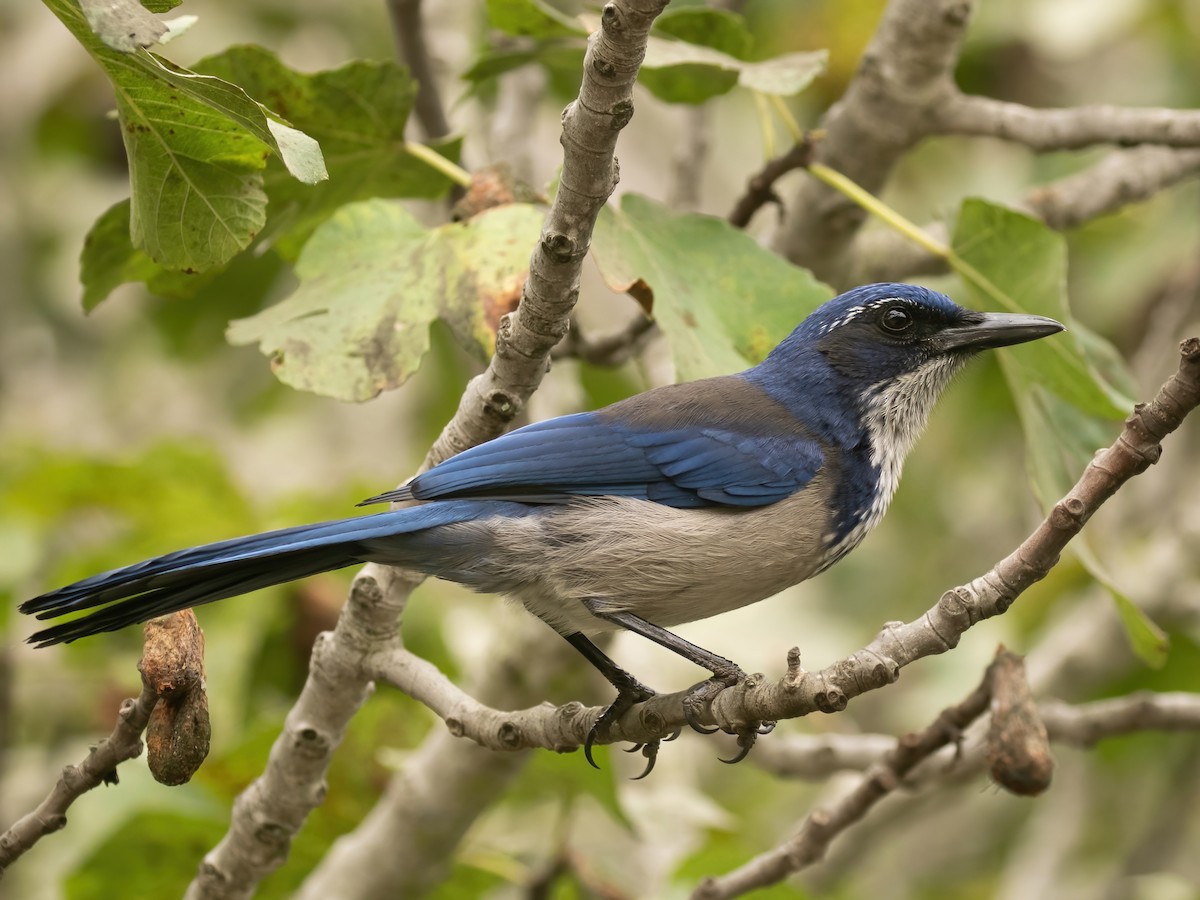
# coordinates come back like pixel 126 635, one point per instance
pixel 789 121
pixel 766 124
pixel 912 231
pixel 435 160
pixel 880 210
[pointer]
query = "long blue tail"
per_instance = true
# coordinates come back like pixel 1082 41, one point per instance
pixel 228 568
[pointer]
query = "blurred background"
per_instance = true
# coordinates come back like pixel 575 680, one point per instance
pixel 136 429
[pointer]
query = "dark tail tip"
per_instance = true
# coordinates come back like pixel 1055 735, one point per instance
pixel 400 493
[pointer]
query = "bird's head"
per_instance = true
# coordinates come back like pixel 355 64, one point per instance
pixel 881 332
pixel 889 350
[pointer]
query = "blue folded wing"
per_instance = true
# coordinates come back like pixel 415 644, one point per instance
pixel 675 458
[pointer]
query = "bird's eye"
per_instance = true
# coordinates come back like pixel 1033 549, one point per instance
pixel 896 319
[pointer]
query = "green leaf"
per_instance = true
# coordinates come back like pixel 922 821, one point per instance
pixel 358 113
pixel 1060 439
pixel 562 59
pixel 372 279
pixel 196 149
pixel 1017 261
pixel 531 18
pixel 299 153
pixel 196 200
pixel 495 62
pixel 693 55
pixel 722 301
pixel 718 29
pixel 109 259
pixel 1066 406
pixel 1060 442
pixel 671 67
pixel 1148 641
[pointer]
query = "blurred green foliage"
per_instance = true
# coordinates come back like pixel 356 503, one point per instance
pixel 138 429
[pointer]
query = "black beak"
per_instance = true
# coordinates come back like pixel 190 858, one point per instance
pixel 996 330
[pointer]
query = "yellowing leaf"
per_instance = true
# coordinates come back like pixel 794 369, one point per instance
pixel 372 280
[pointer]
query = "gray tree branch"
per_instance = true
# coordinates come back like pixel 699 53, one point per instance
pixel 1121 178
pixel 818 756
pixel 1072 128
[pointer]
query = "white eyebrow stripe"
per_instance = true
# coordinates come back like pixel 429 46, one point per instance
pixel 855 311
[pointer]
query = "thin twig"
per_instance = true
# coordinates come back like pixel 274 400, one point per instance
pixel 410 43
pixel 98 767
pixel 1081 726
pixel 816 757
pixel 612 350
pixel 760 190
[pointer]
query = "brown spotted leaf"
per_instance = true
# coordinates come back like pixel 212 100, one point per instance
pixel 373 279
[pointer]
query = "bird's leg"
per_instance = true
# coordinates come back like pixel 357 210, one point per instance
pixel 724 672
pixel 630 691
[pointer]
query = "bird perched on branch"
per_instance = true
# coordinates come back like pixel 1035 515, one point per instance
pixel 674 505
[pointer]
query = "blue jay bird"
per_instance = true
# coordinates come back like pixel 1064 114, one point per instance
pixel 674 505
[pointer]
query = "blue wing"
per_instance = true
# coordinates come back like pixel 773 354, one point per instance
pixel 719 442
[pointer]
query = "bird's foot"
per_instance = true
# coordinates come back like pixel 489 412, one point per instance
pixel 629 694
pixel 700 697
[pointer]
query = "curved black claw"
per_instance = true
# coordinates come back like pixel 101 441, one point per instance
pixel 587 748
pixel 689 715
pixel 628 695
pixel 674 735
pixel 741 754
pixel 746 741
pixel 747 737
pixel 650 751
